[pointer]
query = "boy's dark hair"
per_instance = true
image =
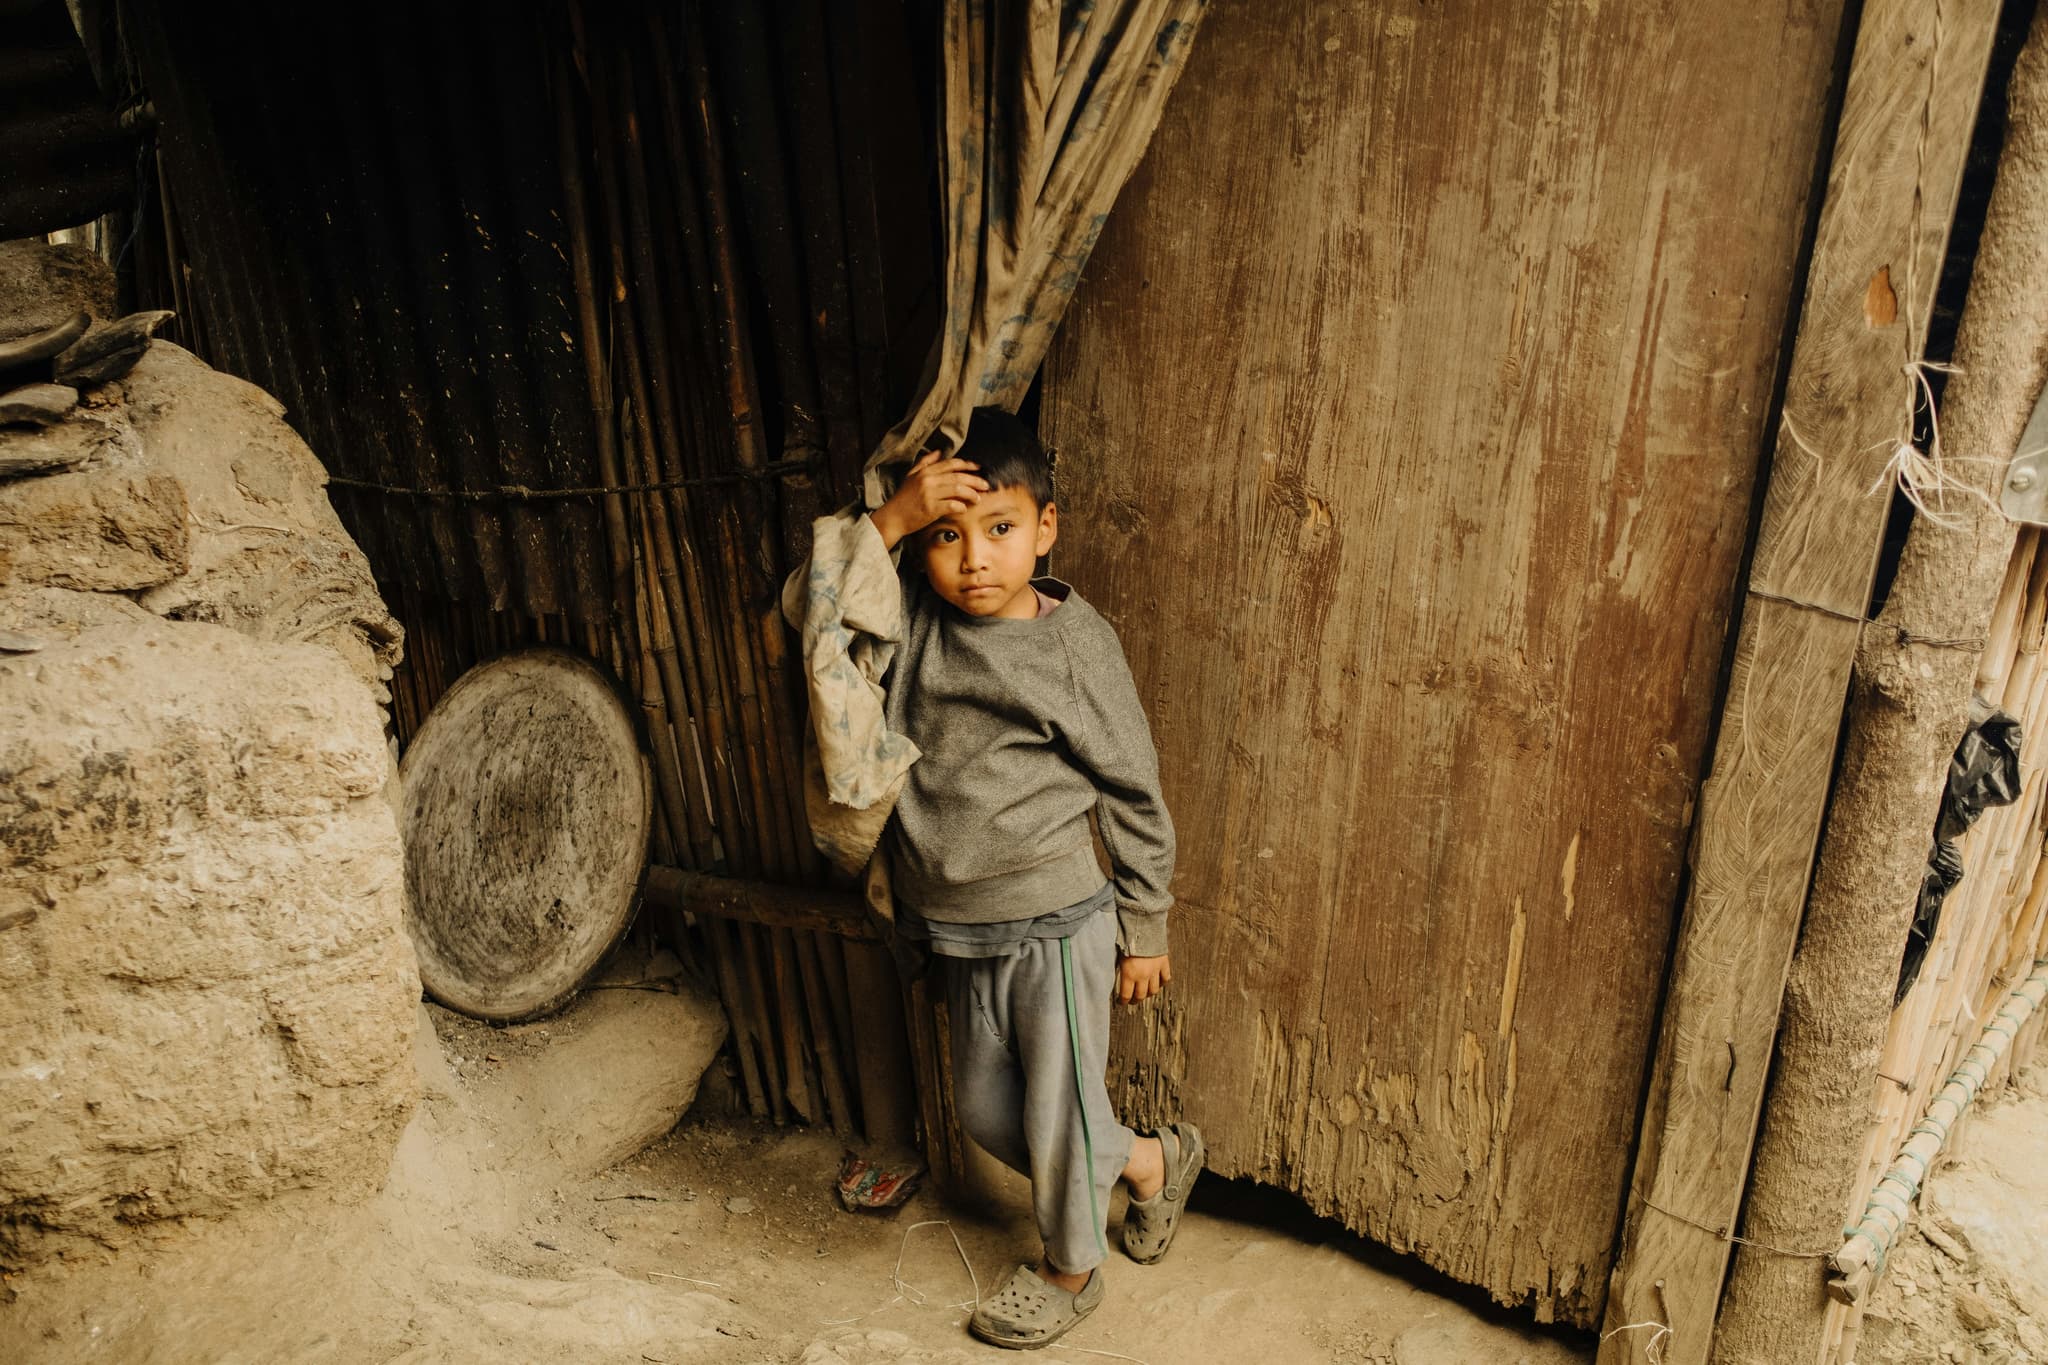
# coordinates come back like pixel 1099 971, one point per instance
pixel 1008 453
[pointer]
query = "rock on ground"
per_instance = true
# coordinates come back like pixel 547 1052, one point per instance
pixel 108 352
pixel 206 992
pixel 269 556
pixel 620 1068
pixel 37 404
pixel 80 436
pixel 183 484
pixel 43 285
pixel 112 524
pixel 51 614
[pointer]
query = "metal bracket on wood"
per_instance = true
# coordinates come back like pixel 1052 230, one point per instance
pixel 2025 497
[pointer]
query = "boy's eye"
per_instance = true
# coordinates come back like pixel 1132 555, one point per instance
pixel 947 537
pixel 1001 528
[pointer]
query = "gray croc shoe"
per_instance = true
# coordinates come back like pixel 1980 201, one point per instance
pixel 1027 1313
pixel 1149 1223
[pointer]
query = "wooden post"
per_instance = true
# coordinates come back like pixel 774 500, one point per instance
pixel 888 1088
pixel 1905 122
pixel 751 902
pixel 1914 670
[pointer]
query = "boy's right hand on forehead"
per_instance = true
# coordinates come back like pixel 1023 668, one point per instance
pixel 940 485
pixel 936 486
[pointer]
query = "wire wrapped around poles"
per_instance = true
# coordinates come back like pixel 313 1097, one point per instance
pixel 1862 1255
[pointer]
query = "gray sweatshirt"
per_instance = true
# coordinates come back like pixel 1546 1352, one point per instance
pixel 1025 727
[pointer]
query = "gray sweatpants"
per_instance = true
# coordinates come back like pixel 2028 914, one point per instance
pixel 1014 1079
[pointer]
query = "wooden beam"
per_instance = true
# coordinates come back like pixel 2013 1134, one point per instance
pixel 1907 113
pixel 781 907
pixel 1909 701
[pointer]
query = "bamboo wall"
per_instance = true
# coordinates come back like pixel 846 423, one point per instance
pixel 1994 924
pixel 588 312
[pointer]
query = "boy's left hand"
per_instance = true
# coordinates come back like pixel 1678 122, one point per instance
pixel 1141 978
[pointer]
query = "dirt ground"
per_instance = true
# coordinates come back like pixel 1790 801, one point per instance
pixel 1969 1281
pixel 722 1243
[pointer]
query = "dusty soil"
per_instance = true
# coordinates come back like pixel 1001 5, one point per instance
pixel 719 1243
pixel 1969 1280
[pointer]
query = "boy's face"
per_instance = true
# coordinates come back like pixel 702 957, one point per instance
pixel 981 560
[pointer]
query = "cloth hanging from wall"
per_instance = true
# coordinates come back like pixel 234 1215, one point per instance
pixel 1047 106
pixel 847 612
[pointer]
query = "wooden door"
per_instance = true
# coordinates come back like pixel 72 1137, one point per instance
pixel 1407 424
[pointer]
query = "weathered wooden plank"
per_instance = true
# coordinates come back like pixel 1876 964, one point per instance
pixel 1896 166
pixel 1408 423
pixel 777 906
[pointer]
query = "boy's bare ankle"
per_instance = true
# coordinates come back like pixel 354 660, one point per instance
pixel 1051 1274
pixel 1145 1172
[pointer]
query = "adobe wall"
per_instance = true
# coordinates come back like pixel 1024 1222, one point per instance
pixel 206 992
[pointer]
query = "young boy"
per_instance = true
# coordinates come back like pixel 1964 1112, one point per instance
pixel 1017 694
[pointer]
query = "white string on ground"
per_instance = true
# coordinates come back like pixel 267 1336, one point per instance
pixel 664 1275
pixel 909 1293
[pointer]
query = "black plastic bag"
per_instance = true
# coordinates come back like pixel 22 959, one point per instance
pixel 1983 772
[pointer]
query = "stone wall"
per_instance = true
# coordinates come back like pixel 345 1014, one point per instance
pixel 206 991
